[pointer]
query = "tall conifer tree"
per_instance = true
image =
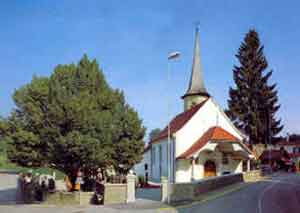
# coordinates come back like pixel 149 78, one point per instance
pixel 253 102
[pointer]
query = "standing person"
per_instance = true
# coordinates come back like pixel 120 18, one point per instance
pixel 28 177
pixel 20 188
pixel 99 192
pixel 79 180
pixel 68 183
pixel 28 188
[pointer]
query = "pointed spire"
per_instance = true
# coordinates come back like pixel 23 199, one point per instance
pixel 196 85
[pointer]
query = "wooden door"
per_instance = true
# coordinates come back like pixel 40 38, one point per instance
pixel 210 169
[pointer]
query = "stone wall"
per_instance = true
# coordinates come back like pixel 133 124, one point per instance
pixel 115 193
pixel 192 191
pixel 62 198
pixel 252 176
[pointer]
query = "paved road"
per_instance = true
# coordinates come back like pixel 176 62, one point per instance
pixel 8 190
pixel 279 195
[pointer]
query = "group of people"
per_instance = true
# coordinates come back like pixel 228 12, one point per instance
pixel 33 187
pixel 85 180
pixel 89 181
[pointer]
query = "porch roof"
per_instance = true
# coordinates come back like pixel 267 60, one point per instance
pixel 215 134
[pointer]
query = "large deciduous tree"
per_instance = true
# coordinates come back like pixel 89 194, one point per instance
pixel 72 120
pixel 253 102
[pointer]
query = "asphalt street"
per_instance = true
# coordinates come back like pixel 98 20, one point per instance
pixel 279 195
pixel 8 183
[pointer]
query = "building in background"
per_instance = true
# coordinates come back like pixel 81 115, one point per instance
pixel 289 145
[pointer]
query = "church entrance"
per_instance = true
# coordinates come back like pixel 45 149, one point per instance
pixel 210 169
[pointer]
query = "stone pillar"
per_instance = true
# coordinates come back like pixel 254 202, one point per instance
pixel 130 188
pixel 164 189
pixel 248 165
pixel 193 169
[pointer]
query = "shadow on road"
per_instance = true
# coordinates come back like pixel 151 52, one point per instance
pixel 8 196
pixel 148 194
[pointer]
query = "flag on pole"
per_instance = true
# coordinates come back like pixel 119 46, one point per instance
pixel 173 55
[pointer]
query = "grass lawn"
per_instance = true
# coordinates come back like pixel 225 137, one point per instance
pixel 5 164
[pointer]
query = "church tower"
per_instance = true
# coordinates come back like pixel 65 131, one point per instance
pixel 196 92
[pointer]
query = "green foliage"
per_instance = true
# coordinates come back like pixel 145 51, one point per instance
pixel 253 102
pixel 141 180
pixel 154 133
pixel 73 119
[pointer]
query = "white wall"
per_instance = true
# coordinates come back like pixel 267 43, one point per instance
pixel 139 168
pixel 183 171
pixel 209 115
pixel 156 174
pixel 184 167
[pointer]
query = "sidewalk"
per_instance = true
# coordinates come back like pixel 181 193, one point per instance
pixel 154 206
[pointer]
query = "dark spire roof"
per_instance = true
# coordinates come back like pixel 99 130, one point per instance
pixel 196 85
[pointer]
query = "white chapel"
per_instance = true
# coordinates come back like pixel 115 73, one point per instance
pixel 203 142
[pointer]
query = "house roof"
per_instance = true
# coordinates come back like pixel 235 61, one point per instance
pixel 178 122
pixel 273 154
pixel 289 143
pixel 294 155
pixel 213 134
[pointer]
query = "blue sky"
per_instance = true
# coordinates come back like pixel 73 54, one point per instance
pixel 131 41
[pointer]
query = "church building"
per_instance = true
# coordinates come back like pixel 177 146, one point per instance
pixel 200 142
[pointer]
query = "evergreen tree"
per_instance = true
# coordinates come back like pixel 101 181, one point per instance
pixel 253 102
pixel 72 120
pixel 154 133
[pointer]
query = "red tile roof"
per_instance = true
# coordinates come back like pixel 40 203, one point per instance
pixel 288 143
pixel 294 155
pixel 274 154
pixel 213 134
pixel 178 122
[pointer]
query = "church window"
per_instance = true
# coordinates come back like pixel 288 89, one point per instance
pixel 153 156
pixel 160 153
pixel 160 160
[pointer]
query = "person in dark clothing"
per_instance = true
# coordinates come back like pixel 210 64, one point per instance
pixel 99 189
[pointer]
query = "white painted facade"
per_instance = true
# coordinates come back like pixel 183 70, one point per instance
pixel 144 166
pixel 159 159
pixel 208 116
pixel 184 171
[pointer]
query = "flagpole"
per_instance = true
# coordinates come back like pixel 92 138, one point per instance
pixel 171 56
